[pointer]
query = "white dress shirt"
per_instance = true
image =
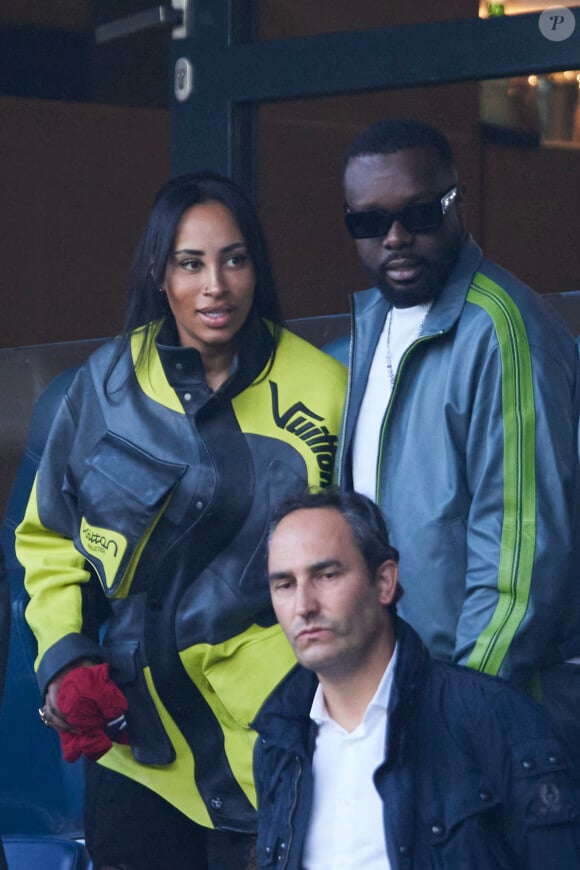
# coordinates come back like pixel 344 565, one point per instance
pixel 346 822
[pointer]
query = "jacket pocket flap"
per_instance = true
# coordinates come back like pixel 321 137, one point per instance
pixel 537 757
pixel 122 658
pixel 148 739
pixel 442 818
pixel 119 500
pixel 243 679
pixel 143 476
pixel 541 772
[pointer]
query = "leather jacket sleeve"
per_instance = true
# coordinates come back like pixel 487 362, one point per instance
pixel 521 468
pixel 56 574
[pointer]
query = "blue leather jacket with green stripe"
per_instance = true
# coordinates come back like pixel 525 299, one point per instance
pixel 478 471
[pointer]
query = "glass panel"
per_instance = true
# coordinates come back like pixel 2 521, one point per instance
pixel 533 109
pixel 305 18
pixel 300 148
pixel 530 154
pixel 521 201
pixel 527 110
pixel 517 7
pixel 48 51
pixel 77 181
pixel 24 373
pixel 84 147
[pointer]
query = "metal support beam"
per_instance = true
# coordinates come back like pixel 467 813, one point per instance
pixel 229 75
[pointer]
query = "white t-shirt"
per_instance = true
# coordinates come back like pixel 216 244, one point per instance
pixel 346 829
pixel 402 327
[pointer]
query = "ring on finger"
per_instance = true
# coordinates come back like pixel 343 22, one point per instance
pixel 43 717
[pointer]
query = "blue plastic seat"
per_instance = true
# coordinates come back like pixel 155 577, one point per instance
pixel 45 853
pixel 41 796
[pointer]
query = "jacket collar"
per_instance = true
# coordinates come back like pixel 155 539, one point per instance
pixel 411 669
pixel 370 310
pixel 285 717
pixel 256 348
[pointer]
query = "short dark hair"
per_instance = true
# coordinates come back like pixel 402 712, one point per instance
pixel 399 134
pixel 362 515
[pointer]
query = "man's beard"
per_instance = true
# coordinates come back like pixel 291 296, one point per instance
pixel 398 297
pixel 430 287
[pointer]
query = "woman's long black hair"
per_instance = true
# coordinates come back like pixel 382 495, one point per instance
pixel 146 304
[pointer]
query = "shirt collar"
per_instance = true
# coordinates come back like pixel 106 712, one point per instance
pixel 319 713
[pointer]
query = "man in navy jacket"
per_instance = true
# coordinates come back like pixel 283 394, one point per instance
pixel 370 754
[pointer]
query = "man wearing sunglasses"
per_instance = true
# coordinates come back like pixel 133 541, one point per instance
pixel 461 422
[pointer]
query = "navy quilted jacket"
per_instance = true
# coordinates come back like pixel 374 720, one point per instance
pixel 473 776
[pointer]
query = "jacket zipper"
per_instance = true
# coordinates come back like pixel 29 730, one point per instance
pixel 338 463
pixel 292 811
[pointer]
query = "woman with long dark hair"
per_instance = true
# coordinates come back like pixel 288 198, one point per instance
pixel 143 538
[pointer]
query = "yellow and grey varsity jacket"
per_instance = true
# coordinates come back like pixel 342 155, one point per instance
pixel 143 545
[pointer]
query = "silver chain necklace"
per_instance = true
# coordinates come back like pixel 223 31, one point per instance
pixel 389 355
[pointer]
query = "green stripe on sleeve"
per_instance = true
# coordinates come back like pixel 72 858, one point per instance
pixel 518 535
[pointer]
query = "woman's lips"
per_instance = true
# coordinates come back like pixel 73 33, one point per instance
pixel 216 317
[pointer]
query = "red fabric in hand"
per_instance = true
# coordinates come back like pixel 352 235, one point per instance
pixel 91 744
pixel 89 700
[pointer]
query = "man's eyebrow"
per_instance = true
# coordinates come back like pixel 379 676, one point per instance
pixel 314 568
pixel 325 563
pixel 279 575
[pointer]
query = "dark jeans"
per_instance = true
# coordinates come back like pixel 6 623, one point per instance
pixel 130 827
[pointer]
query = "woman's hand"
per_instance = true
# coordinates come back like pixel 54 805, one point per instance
pixel 50 714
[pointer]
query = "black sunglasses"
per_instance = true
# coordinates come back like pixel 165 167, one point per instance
pixel 420 218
